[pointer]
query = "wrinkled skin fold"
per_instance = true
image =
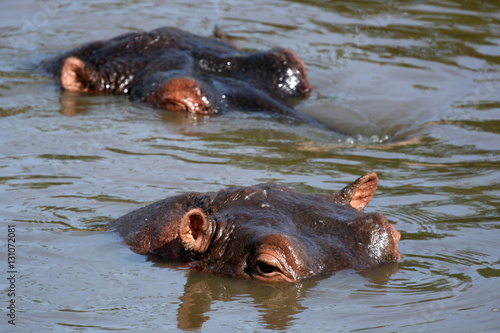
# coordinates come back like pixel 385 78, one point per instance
pixel 173 69
pixel 265 232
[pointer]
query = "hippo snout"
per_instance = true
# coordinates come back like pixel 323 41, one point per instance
pixel 382 237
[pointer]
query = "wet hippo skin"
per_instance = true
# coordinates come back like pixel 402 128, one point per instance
pixel 176 70
pixel 265 232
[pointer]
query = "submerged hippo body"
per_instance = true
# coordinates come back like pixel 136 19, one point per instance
pixel 265 232
pixel 176 70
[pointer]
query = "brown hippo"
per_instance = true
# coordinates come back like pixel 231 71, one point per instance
pixel 265 232
pixel 176 70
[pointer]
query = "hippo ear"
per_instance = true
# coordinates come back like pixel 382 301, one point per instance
pixel 360 192
pixel 74 75
pixel 195 231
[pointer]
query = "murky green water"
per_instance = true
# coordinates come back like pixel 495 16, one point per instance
pixel 422 76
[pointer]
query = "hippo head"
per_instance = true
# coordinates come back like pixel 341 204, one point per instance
pixel 173 69
pixel 265 232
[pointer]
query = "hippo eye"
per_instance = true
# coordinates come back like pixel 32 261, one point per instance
pixel 267 265
pixel 174 105
pixel 266 269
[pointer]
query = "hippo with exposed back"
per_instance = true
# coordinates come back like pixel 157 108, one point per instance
pixel 173 69
pixel 265 232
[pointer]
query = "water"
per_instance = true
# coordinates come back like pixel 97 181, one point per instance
pixel 416 87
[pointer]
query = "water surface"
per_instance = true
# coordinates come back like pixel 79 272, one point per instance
pixel 415 85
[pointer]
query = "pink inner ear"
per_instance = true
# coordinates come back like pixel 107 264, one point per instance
pixel 360 192
pixel 73 75
pixel 194 231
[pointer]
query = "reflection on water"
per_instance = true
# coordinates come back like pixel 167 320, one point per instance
pixel 278 304
pixel 423 78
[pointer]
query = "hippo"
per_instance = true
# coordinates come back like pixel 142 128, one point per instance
pixel 175 70
pixel 265 232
